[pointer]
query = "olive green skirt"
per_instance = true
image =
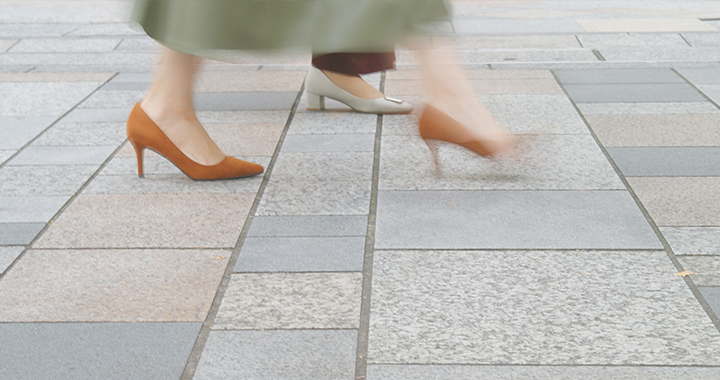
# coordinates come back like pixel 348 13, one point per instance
pixel 325 26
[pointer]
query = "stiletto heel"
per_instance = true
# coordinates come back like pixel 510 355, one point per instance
pixel 315 102
pixel 433 147
pixel 143 133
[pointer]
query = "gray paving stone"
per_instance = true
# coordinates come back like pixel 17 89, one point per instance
pixel 294 226
pixel 702 39
pixel 329 143
pixel 636 40
pixel 550 55
pixel 244 101
pixel 535 113
pixel 18 131
pixel 271 355
pixel 647 108
pixel 21 98
pixel 124 86
pixel 168 184
pixel 661 54
pixel 97 115
pixel 491 26
pixel 495 372
pixel 511 220
pixel 258 301
pixel 13 30
pixel 5 154
pixel 8 255
pixel 540 162
pixel 633 93
pixel 315 198
pixel 324 166
pixel 132 77
pixel 333 122
pixel 679 201
pixel 618 76
pixel 109 99
pixel 697 76
pixel 108 29
pixel 604 65
pixel 62 155
pixel 43 180
pixel 712 91
pixel 25 209
pixel 95 350
pixel 536 308
pixel 656 130
pixel 138 45
pixel 7 44
pixel 112 59
pixel 712 296
pixel 667 161
pixel 301 254
pixel 706 269
pixel 266 116
pixel 19 233
pixel 693 240
pixel 558 41
pixel 55 45
pixel 83 134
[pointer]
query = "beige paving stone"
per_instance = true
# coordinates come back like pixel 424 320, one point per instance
pixel 231 117
pixel 55 77
pixel 680 201
pixel 484 87
pixel 477 74
pixel 657 130
pixel 516 42
pixel 250 81
pixel 244 139
pixel 291 301
pixel 645 25
pixel 706 269
pixel 150 221
pixel 112 285
pixel 647 108
pixel 6 44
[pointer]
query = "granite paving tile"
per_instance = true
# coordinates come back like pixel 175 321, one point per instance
pixel 400 125
pixel 58 11
pixel 351 142
pixel 25 30
pixel 83 134
pixel 5 154
pixel 291 301
pixel 111 59
pixel 476 74
pixel 661 54
pixel 302 254
pixel 667 161
pixel 112 351
pixel 324 166
pixel 315 198
pixel 133 77
pixel 232 101
pixel 62 155
pixel 43 180
pixel 145 45
pixel 702 39
pixel 655 130
pixel 482 87
pixel 124 86
pixel 540 162
pixel 693 240
pixel 637 40
pixel 250 81
pixel 549 41
pixel 110 99
pixel 706 269
pixel 293 226
pixel 112 285
pixel 232 117
pixel 633 93
pixel 42 99
pixel 712 91
pixel 618 76
pixel 8 255
pixel 511 220
pixel 549 55
pixel 270 355
pixel 149 221
pixel 668 108
pixel 680 201
pixel 97 115
pixel 18 131
pixel 592 65
pixel 168 184
pixel 246 139
pixel 701 75
pixel 333 122
pixel 535 113
pixel 640 25
pixel 712 296
pixel 6 44
pixel 536 308
pixel 489 26
pixel 19 233
pixel 29 209
pixel 55 77
pixel 495 372
pixel 107 29
pixel 55 45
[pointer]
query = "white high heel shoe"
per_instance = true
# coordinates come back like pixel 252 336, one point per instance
pixel 318 87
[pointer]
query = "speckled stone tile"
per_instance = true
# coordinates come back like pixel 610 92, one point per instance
pixel 150 221
pixel 478 74
pixel 29 209
pixel 680 201
pixel 656 130
pixel 528 55
pixel 250 81
pixel 693 240
pixel 683 108
pixel 98 115
pixel 107 29
pixel 112 351
pixel 541 162
pixel 712 91
pixel 55 77
pixel 18 131
pixel 55 45
pixel 83 134
pixel 234 101
pixel 324 166
pixel 21 99
pixel 533 307
pixel 293 226
pixel 706 269
pixel 400 125
pixel 495 372
pixel 329 143
pixel 619 25
pixel 19 233
pixel 5 154
pixel 702 39
pixel 168 184
pixel 482 87
pixel 110 99
pixel 8 255
pixel 246 139
pixel 7 44
pixel 635 40
pixel 271 355
pixel 43 180
pixel 291 301
pixel 15 30
pixel 697 54
pixel 712 296
pixel 491 26
pixel 515 42
pixel 333 122
pixel 233 117
pixel 511 220
pixel 667 161
pixel 112 286
pixel 618 76
pixel 62 155
pixel 302 254
pixel 633 93
pixel 315 198
pixel 535 113
pixel 701 76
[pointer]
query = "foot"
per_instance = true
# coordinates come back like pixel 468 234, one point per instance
pixel 353 84
pixel 185 131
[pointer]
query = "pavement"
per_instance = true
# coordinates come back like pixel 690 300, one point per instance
pixel 594 254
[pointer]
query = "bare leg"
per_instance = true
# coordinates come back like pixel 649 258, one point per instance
pixel 353 84
pixel 169 104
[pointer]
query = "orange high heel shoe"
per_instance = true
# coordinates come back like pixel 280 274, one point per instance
pixel 436 125
pixel 143 134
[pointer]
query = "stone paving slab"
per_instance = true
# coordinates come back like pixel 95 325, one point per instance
pixel 701 76
pixel 661 54
pixel 680 201
pixel 283 198
pixel 18 131
pixel 22 98
pixel 483 87
pixel 669 108
pixel 82 134
pixel 8 255
pixel 244 101
pixel 702 39
pixel 333 123
pixel 46 45
pixel 706 269
pixel 5 154
pixel 62 155
pixel 302 254
pixel 535 113
pixel 270 355
pixel 250 81
pixel 97 115
pixel 633 93
pixel 43 180
pixel 490 26
pixel 665 130
pixel 293 226
pixel 177 183
pixel 19 233
pixel 30 209
pixel 693 240
pixel 557 41
pixel 291 301
pixel 108 99
pixel 638 40
pixel 615 25
pixel 712 296
pixel 617 76
pixel 556 308
pixel 329 143
pixel 667 161
pixel 712 91
pixel 511 220
pixel 112 286
pixel 112 351
pixel 324 166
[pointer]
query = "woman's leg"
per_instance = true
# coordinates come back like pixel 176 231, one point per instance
pixel 169 104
